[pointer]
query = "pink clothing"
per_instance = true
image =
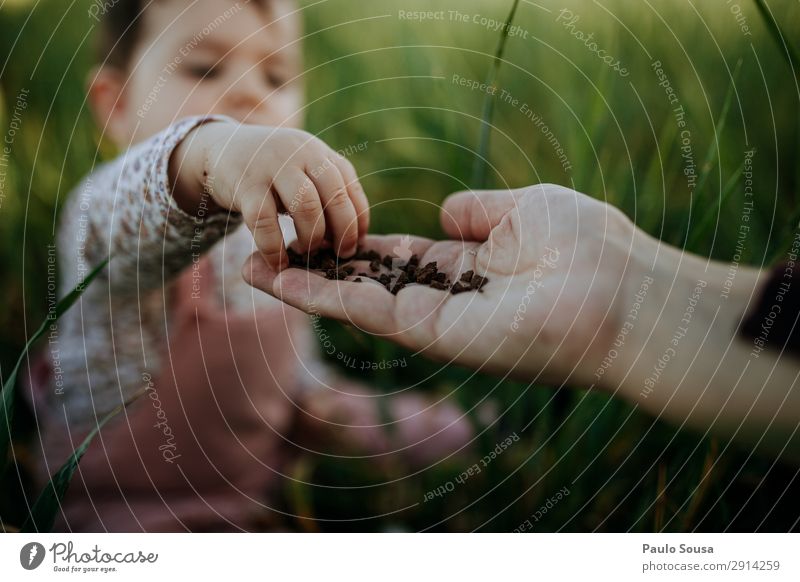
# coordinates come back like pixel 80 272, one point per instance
pixel 227 370
pixel 198 451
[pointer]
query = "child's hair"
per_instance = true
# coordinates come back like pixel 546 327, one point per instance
pixel 121 25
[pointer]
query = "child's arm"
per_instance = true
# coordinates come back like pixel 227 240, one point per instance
pixel 113 337
pixel 166 201
pixel 125 208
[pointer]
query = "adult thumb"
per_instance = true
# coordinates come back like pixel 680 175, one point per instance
pixel 472 215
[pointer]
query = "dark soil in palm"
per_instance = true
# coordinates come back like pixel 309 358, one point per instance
pixel 386 271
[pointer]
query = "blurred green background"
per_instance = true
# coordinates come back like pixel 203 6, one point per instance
pixel 377 78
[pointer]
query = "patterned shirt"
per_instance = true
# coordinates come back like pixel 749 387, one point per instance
pixel 115 333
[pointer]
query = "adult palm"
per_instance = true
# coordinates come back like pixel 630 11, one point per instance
pixel 555 260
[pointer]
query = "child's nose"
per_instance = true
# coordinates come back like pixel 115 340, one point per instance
pixel 247 94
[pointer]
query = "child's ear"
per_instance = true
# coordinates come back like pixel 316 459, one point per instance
pixel 105 87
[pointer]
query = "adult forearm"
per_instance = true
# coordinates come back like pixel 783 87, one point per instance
pixel 685 360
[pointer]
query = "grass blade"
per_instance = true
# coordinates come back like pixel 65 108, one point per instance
pixel 45 509
pixel 705 221
pixel 781 39
pixel 9 387
pixel 481 161
pixel 713 147
pixel 787 52
pixel 708 164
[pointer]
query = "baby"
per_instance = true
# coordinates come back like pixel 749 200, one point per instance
pixel 205 99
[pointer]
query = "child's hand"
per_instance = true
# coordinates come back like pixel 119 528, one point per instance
pixel 261 171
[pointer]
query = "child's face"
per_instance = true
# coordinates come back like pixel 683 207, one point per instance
pixel 217 56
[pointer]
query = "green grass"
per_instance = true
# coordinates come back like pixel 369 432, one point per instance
pixel 624 470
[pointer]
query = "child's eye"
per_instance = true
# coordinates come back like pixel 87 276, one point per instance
pixel 276 80
pixel 202 71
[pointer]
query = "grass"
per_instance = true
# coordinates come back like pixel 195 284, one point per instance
pixel 481 156
pixel 389 82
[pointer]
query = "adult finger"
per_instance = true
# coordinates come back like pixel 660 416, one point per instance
pixel 405 318
pixel 367 305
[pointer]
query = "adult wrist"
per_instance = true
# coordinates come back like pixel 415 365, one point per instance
pixel 682 307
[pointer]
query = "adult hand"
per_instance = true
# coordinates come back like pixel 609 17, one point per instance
pixel 578 294
pixel 555 260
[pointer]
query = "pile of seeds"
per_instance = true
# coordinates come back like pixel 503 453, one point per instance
pixel 382 270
